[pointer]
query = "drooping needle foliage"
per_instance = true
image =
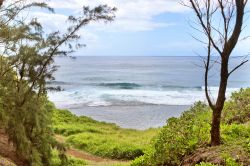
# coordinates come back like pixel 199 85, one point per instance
pixel 26 64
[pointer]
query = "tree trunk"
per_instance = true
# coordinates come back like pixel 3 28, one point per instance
pixel 215 130
pixel 223 43
pixel 216 119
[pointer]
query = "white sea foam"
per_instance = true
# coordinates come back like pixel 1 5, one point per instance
pixel 129 81
pixel 107 97
pixel 216 88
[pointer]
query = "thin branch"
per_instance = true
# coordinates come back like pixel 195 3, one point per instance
pixel 237 67
pixel 199 14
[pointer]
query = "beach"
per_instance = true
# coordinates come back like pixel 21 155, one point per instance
pixel 134 117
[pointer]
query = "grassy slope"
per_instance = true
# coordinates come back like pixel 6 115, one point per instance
pixel 181 138
pixel 100 138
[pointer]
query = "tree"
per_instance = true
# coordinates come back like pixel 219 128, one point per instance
pixel 221 21
pixel 26 64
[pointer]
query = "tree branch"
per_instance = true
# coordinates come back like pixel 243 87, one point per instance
pixel 237 67
pixel 197 10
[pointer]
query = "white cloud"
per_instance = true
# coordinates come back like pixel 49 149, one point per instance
pixel 52 22
pixel 132 15
pixel 55 22
pixel 146 7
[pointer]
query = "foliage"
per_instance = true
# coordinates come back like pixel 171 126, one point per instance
pixel 179 137
pixel 183 136
pixel 26 64
pixel 100 138
pixel 237 109
pixel 28 126
pixel 235 131
pixel 229 161
pixel 70 161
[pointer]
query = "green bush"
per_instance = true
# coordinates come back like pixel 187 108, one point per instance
pixel 237 109
pixel 231 162
pixel 179 137
pixel 235 131
pixel 182 136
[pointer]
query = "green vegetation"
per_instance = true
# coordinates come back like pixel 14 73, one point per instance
pixel 30 121
pixel 56 161
pixel 236 110
pixel 26 64
pixel 176 141
pixel 100 138
pixel 26 120
pixel 178 138
pixel 190 133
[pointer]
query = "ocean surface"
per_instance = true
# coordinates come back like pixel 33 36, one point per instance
pixel 136 92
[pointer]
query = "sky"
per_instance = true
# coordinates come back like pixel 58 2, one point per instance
pixel 141 28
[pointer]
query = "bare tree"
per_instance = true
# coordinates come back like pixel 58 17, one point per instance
pixel 221 21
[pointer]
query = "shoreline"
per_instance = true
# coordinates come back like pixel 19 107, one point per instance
pixel 141 117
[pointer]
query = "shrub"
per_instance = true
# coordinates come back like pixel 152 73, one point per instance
pixel 179 137
pixel 235 131
pixel 182 136
pixel 237 109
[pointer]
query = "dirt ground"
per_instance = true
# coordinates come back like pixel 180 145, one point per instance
pixel 7 154
pixel 91 159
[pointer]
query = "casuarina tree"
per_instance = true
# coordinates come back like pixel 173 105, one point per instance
pixel 26 65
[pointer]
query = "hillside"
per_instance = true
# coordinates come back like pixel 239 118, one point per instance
pixel 8 156
pixel 182 141
pixel 100 138
pixel 185 140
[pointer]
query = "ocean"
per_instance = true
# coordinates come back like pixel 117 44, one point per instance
pixel 136 92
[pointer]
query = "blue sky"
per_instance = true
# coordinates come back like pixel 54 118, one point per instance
pixel 142 28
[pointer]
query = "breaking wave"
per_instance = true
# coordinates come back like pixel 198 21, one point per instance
pixel 130 94
pixel 123 85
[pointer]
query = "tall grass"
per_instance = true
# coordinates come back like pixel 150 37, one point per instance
pixel 100 138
